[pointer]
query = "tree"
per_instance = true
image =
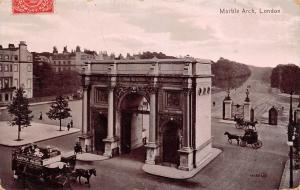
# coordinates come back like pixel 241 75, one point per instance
pixel 59 110
pixel 19 109
pixel 55 49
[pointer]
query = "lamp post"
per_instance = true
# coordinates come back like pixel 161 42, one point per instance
pixel 290 139
pixel 297 126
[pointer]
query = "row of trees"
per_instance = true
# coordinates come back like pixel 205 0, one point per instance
pixel 49 83
pixel 21 114
pixel 229 74
pixel 286 78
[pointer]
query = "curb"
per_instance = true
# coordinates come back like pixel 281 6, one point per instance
pixel 7 145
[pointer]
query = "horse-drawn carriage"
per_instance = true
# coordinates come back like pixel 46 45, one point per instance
pixel 240 123
pixel 46 167
pixel 250 137
pixel 40 165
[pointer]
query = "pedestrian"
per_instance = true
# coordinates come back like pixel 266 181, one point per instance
pixel 41 115
pixel 214 103
pixel 68 126
pixel 71 123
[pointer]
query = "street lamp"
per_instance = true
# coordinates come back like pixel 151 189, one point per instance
pixel 290 138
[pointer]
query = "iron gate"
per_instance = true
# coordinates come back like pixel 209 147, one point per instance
pixel 237 110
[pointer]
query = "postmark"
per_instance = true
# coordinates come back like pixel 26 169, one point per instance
pixel 32 6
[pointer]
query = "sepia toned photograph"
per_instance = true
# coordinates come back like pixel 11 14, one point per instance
pixel 149 94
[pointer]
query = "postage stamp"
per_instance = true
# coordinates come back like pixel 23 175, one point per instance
pixel 32 6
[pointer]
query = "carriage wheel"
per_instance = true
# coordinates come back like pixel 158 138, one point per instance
pixel 258 144
pixel 243 143
pixel 238 126
pixel 230 141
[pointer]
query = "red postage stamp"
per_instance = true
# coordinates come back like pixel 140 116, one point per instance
pixel 32 6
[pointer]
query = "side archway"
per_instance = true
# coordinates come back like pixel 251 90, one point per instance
pixel 171 142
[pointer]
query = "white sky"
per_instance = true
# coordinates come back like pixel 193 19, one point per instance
pixel 175 27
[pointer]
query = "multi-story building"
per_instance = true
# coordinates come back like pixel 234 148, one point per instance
pixel 15 71
pixel 75 60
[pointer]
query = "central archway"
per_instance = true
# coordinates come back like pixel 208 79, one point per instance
pixel 134 122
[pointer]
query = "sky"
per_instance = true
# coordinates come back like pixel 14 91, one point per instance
pixel 174 27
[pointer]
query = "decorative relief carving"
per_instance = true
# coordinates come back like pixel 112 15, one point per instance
pixel 173 99
pixel 101 95
pixel 208 90
pixel 122 90
pixel 199 91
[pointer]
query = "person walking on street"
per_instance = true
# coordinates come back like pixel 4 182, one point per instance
pixel 68 126
pixel 71 123
pixel 41 115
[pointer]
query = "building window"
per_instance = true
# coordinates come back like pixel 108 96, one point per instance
pixel 28 58
pixel 0 67
pixel 15 68
pixel 6 97
pixel 1 98
pixel 54 62
pixel 6 68
pixel 16 58
pixel 28 83
pixel 69 62
pixel 10 68
pixel 6 83
pixel 29 68
pixel 16 83
pixel 6 57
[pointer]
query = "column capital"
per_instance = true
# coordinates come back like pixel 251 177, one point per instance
pixel 187 91
pixel 152 89
pixel 111 88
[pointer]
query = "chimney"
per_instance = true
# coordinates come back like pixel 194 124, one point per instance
pixel 11 46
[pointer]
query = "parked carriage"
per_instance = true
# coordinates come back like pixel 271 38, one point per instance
pixel 44 166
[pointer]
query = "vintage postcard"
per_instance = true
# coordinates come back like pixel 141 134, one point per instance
pixel 150 94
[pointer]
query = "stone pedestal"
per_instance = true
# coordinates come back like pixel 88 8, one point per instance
pixel 151 153
pixel 85 141
pixel 247 109
pixel 186 159
pixel 111 147
pixel 227 109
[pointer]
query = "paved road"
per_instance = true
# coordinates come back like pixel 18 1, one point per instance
pixel 235 168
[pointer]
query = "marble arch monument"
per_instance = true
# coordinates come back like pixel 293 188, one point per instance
pixel 162 104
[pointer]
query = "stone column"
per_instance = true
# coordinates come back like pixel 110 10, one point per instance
pixel 85 138
pixel 110 141
pixel 152 145
pixel 84 110
pixel 110 118
pixel 186 152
